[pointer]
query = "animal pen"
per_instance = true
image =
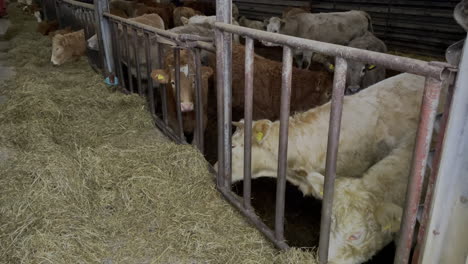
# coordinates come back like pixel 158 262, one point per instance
pixel 116 63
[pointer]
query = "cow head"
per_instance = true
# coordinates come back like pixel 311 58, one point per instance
pixel 61 52
pixel 264 149
pixel 274 25
pixel 361 226
pixel 355 75
pixel 187 82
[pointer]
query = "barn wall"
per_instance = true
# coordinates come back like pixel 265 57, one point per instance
pixel 420 27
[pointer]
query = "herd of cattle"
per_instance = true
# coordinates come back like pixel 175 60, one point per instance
pixel 379 121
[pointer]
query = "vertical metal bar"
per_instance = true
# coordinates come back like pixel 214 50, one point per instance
pixel 177 85
pixel 283 142
pixel 248 109
pixel 200 131
pixel 418 168
pixel 103 34
pixel 137 61
pixel 58 13
pixel 128 57
pixel 224 58
pixel 119 52
pixel 339 84
pixel 162 88
pixel 148 73
pixel 434 173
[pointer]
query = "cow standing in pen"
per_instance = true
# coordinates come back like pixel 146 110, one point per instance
pixel 337 28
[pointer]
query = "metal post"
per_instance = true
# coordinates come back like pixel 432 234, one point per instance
pixel 199 129
pixel 58 12
pixel 162 87
pixel 177 85
pixel 104 38
pixel 418 168
pixel 118 52
pixel 137 61
pixel 283 142
pixel 433 176
pixel 248 109
pixel 125 30
pixel 223 73
pixel 339 85
pixel 148 73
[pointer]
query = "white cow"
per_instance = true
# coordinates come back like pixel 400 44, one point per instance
pixel 367 211
pixel 374 121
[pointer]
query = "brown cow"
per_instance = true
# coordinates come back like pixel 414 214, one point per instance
pixel 61 32
pixel 309 88
pixel 207 8
pixel 292 11
pixel 187 78
pixel 68 46
pixel 45 27
pixel 164 13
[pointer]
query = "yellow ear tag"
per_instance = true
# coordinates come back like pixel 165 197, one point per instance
pixel 321 193
pixel 259 136
pixel 331 67
pixel 160 77
pixel 371 67
pixel 387 227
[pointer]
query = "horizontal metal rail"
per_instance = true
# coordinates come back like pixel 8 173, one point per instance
pixel 177 39
pixel 80 4
pixel 393 62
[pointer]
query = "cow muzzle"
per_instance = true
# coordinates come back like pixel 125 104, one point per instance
pixel 186 107
pixel 352 89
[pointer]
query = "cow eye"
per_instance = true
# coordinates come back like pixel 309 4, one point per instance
pixel 173 82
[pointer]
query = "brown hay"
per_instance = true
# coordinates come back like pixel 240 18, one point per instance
pixel 85 177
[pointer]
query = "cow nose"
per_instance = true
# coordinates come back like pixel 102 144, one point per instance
pixel 186 107
pixel 352 89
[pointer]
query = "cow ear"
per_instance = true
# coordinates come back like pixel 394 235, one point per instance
pixel 206 72
pixel 316 181
pixel 184 20
pixel 388 215
pixel 239 124
pixel 261 130
pixel 282 22
pixel 162 76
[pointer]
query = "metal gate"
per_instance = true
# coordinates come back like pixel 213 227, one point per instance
pixel 131 50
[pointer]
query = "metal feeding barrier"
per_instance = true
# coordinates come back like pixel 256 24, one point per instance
pixel 437 75
pixel 130 50
pixel 77 15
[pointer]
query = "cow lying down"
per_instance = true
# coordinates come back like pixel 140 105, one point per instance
pixel 373 122
pixel 367 211
pixel 68 46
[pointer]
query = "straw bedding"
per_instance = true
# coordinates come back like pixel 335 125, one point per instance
pixel 86 178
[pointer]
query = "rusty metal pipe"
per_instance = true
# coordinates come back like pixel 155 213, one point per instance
pixel 339 85
pixel 137 61
pixel 421 151
pixel 249 77
pixel 118 51
pixel 386 60
pixel 199 100
pixel 434 173
pixel 127 53
pixel 162 87
pixel 148 73
pixel 177 86
pixel 283 142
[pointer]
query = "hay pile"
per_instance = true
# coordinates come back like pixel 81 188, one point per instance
pixel 85 177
